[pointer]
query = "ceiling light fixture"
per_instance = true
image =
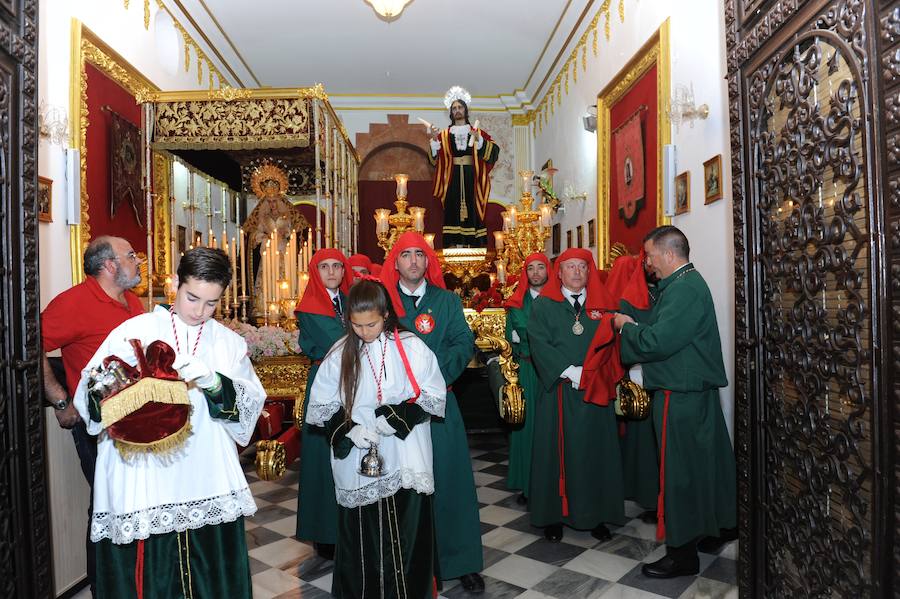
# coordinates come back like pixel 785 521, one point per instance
pixel 388 10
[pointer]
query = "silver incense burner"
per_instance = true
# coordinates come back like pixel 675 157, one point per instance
pixel 372 464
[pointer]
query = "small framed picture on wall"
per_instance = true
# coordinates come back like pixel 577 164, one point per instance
pixel 592 233
pixel 181 239
pixel 683 193
pixel 579 236
pixel 556 238
pixel 45 199
pixel 569 239
pixel 712 179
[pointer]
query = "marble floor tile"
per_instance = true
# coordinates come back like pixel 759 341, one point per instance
pixel 498 470
pixel 630 547
pixel 546 552
pixel 493 589
pixel 273 582
pixel 261 487
pixel 305 591
pixel 500 516
pixel 705 588
pixel 730 550
pixel 259 536
pixel 290 504
pixel 523 523
pixel 281 553
pixel 478 465
pixel 483 479
pixel 490 496
pixel 270 513
pixel 512 502
pixel 722 569
pixel 636 528
pixel 507 540
pixel 314 567
pixel 602 565
pixel 566 584
pixel 491 556
pixel 521 571
pixel 667 587
pixel 495 457
pixel 532 594
pixel 278 495
pixel 286 527
pixel 620 591
pixel 323 583
pixel 581 538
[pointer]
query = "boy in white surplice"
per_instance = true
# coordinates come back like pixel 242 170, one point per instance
pixel 171 523
pixel 380 386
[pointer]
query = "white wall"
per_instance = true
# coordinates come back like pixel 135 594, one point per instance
pixel 698 57
pixel 124 32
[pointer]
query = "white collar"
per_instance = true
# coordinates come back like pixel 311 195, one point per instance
pixel 582 295
pixel 333 294
pixel 534 292
pixel 418 291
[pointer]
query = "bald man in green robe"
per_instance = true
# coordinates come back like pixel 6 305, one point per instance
pixel 413 277
pixel 680 352
pixel 576 471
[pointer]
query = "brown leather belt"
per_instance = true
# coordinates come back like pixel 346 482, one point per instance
pixel 463 161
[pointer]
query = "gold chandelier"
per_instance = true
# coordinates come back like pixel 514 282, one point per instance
pixel 388 10
pixel 525 230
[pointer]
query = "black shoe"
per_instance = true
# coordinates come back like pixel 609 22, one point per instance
pixel 553 533
pixel 649 517
pixel 669 567
pixel 714 544
pixel 325 550
pixel 601 533
pixel 521 499
pixel 472 583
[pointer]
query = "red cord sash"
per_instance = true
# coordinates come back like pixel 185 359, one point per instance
pixel 409 372
pixel 661 499
pixel 139 570
pixel 562 454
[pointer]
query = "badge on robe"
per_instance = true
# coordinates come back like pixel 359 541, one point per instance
pixel 424 323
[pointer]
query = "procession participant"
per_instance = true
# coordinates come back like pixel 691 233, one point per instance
pixel 379 387
pixel 360 263
pixel 321 323
pixel 532 279
pixel 412 276
pixel 680 351
pixel 160 529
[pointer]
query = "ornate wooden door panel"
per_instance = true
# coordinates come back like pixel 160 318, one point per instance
pixel 24 522
pixel 813 419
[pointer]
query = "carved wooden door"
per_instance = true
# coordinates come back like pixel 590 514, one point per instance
pixel 24 521
pixel 814 104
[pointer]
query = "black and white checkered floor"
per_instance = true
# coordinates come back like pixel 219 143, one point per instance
pixel 518 562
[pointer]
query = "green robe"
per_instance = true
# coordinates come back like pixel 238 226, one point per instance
pixel 680 351
pixel 521 435
pixel 456 518
pixel 640 454
pixel 593 464
pixel 317 510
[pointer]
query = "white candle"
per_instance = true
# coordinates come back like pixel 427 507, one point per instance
pixel 264 275
pixel 512 217
pixel 429 239
pixel 234 287
pixel 418 214
pixel 546 215
pixel 401 180
pixel 498 240
pixel 243 263
pixel 501 272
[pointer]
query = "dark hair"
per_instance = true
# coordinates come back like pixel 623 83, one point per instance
pixel 366 295
pixel 465 108
pixel 205 264
pixel 97 253
pixel 672 238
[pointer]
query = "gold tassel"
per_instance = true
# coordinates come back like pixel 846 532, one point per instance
pixel 127 449
pixel 133 398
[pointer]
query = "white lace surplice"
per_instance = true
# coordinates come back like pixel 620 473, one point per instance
pixel 202 482
pixel 407 462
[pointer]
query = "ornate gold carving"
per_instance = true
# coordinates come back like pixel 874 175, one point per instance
pixel 489 327
pixel 189 44
pixel 162 224
pixel 654 53
pixel 223 124
pixel 228 93
pixel 524 119
pixel 285 376
pixel 270 459
pixel 268 172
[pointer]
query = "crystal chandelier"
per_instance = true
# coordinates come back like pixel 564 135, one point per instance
pixel 388 10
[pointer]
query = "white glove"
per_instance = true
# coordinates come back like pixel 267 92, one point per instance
pixel 435 146
pixel 515 337
pixel 362 437
pixel 384 429
pixel 573 373
pixel 191 368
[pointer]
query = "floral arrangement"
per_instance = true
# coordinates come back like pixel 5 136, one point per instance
pixel 490 298
pixel 266 341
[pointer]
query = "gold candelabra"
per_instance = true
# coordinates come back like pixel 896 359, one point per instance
pixel 389 226
pixel 525 230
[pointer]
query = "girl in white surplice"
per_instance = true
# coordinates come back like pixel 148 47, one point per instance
pixel 379 386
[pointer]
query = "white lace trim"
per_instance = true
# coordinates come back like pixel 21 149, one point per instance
pixel 432 404
pixel 249 405
pixel 122 529
pixel 318 414
pixel 421 482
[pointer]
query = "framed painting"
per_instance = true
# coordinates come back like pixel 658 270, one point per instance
pixel 592 233
pixel 712 179
pixel 556 239
pixel 683 193
pixel 579 236
pixel 632 127
pixel 569 239
pixel 45 199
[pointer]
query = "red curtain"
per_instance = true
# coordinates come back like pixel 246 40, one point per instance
pixel 102 91
pixel 643 93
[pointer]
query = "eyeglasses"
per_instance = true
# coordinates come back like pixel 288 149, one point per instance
pixel 132 256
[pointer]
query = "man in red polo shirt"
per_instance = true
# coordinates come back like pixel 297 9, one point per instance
pixel 77 321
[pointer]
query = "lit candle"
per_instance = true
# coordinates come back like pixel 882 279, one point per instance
pixel 264 270
pixel 498 240
pixel 381 220
pixel 429 239
pixel 501 272
pixel 418 214
pixel 234 287
pixel 526 181
pixel 243 261
pixel 401 180
pixel 512 217
pixel 506 226
pixel 546 215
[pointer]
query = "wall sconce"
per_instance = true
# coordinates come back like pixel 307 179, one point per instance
pixel 569 194
pixel 683 109
pixel 53 124
pixel 388 10
pixel 589 120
